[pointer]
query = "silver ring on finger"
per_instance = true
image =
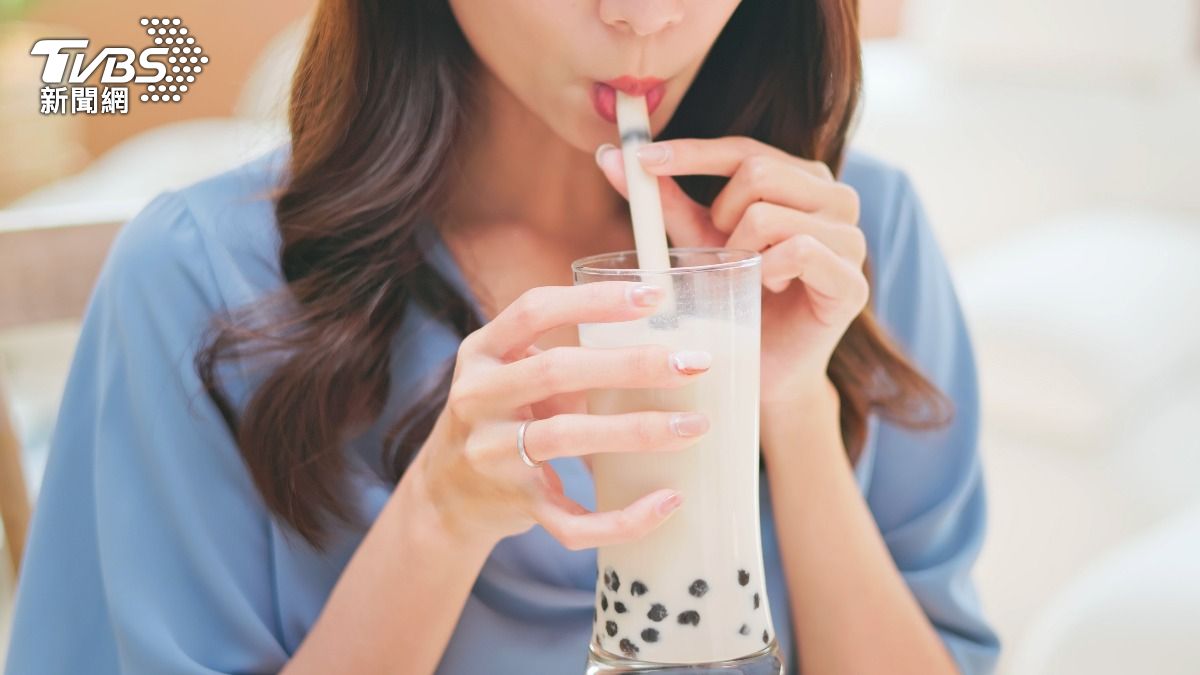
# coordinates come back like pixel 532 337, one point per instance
pixel 529 462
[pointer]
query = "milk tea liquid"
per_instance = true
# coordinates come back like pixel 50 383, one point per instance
pixel 692 591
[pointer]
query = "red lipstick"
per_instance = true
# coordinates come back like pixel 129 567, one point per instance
pixel 604 94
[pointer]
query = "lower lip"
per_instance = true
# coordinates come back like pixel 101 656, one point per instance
pixel 604 100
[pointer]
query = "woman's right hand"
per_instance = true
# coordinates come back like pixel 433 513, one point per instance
pixel 470 464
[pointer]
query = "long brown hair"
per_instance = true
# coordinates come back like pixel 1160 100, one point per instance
pixel 379 103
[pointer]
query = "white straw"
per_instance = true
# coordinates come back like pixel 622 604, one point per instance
pixel 645 202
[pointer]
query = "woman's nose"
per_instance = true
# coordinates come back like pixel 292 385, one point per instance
pixel 641 17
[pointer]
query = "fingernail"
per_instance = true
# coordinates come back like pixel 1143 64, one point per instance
pixel 689 424
pixel 670 503
pixel 645 295
pixel 690 362
pixel 653 153
pixel 604 147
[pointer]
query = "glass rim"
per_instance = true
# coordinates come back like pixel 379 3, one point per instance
pixel 748 258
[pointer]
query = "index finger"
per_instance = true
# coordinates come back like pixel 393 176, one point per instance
pixel 720 156
pixel 544 308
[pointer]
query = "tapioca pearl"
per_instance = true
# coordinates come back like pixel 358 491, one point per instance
pixel 628 647
pixel 698 588
pixel 604 602
pixel 616 582
pixel 619 606
pixel 657 612
pixel 745 629
pixel 765 637
pixel 691 616
pixel 637 588
pixel 610 627
pixel 756 601
pixel 608 577
pixel 650 635
pixel 743 577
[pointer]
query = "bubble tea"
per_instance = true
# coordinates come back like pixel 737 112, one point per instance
pixel 691 593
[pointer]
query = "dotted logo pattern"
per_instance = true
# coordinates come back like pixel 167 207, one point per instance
pixel 184 61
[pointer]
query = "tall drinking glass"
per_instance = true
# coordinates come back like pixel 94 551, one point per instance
pixel 690 596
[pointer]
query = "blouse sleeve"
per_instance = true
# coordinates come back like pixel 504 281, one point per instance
pixel 181 551
pixel 927 490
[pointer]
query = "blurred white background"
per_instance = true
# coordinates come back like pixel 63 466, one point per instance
pixel 1057 147
pixel 1055 144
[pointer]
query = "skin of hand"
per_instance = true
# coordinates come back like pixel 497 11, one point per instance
pixel 502 379
pixel 802 220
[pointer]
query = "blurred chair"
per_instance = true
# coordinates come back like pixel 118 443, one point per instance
pixel 14 498
pixel 49 260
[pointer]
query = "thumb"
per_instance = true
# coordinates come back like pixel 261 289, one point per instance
pixel 688 223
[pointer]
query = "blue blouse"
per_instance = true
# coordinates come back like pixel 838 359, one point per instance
pixel 151 552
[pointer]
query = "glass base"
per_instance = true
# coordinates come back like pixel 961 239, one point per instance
pixel 764 662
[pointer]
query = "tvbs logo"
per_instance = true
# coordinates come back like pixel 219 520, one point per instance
pixel 167 69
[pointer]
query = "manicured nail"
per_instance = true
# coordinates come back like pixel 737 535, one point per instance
pixel 653 153
pixel 645 295
pixel 604 147
pixel 670 503
pixel 690 362
pixel 689 424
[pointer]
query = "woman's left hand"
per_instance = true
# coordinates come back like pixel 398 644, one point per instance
pixel 803 221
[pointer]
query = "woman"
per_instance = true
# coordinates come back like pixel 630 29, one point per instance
pixel 327 478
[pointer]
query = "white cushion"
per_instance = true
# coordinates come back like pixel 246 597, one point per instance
pixel 991 158
pixel 1084 40
pixel 1137 611
pixel 1082 322
pixel 1155 458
